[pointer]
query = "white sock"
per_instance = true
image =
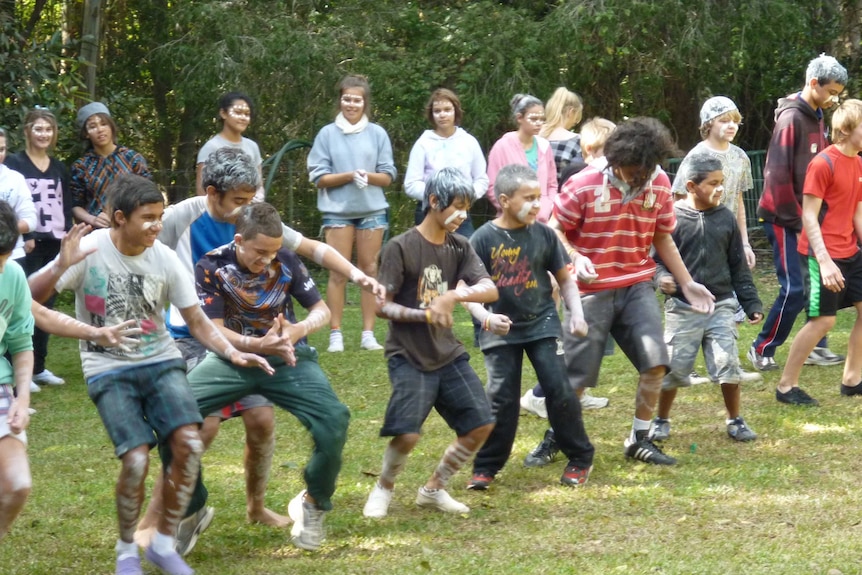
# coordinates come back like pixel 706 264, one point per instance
pixel 125 550
pixel 163 544
pixel 367 334
pixel 639 425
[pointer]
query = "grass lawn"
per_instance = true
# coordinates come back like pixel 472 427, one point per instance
pixel 788 503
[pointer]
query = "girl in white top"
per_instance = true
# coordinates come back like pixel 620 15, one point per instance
pixel 446 146
pixel 14 191
pixel 235 111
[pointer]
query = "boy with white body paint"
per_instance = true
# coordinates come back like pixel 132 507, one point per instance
pixel 120 274
pixel 522 255
pixel 428 367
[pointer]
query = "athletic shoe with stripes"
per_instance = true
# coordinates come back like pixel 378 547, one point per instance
pixel 645 450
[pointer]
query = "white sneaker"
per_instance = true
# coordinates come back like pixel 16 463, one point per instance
pixel 535 405
pixel 440 500
pixel 307 531
pixel 336 341
pixel 48 378
pixel 590 402
pixel 34 387
pixel 378 502
pixel 369 342
pixel 749 376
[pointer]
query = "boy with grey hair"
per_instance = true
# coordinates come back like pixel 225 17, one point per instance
pixel 521 254
pixel 426 271
pixel 798 136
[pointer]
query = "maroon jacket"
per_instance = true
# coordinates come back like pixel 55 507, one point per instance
pixel 798 136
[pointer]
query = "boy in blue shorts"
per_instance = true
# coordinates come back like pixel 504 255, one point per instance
pixel 829 249
pixel 520 253
pixel 422 270
pixel 124 273
pixel 703 220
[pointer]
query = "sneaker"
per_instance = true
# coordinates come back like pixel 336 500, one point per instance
pixel 739 431
pixel 440 500
pixel 796 397
pixel 31 411
pixel 823 356
pixel 336 341
pixel 535 405
pixel 48 378
pixel 34 387
pixel 659 430
pixel 191 528
pixel 850 390
pixel 369 342
pixel 645 450
pixel 575 476
pixel 590 402
pixel 697 379
pixel 760 362
pixel 481 481
pixel 172 563
pixel 378 502
pixel 544 453
pixel 749 376
pixel 307 530
pixel 129 566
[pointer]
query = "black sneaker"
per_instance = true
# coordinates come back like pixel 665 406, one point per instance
pixel 796 397
pixel 645 450
pixel 480 481
pixel 849 390
pixel 544 453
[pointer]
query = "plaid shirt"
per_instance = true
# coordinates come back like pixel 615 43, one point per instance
pixel 92 174
pixel 564 152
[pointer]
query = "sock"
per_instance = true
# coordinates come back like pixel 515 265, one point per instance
pixel 639 425
pixel 455 456
pixel 367 334
pixel 125 550
pixel 729 421
pixel 162 544
pixel 393 464
pixel 538 391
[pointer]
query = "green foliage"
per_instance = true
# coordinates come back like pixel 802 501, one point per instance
pixel 35 72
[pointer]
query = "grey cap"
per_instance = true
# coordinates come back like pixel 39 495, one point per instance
pixel 92 108
pixel 715 107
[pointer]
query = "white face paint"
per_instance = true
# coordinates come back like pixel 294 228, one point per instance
pixel 715 196
pixel 234 213
pixel 462 214
pixel 147 226
pixel 526 209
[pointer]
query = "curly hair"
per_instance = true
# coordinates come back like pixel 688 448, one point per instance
pixel 642 142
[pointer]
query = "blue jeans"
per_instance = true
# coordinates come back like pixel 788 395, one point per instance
pixel 504 390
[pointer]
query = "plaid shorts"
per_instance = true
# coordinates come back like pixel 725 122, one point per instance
pixel 143 405
pixel 454 390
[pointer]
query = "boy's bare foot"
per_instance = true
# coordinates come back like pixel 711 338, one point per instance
pixel 268 517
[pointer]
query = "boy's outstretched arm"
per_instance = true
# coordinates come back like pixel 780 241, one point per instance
pixel 326 256
pixel 698 296
pixel 496 323
pixel 56 323
pixel 206 332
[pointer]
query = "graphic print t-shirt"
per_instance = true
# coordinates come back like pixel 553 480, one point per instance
pixel 519 262
pixel 246 302
pixel 416 271
pixel 111 288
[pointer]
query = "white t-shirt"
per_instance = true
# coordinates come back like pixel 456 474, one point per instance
pixel 111 288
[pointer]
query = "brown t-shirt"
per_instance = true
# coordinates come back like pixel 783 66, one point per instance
pixel 416 271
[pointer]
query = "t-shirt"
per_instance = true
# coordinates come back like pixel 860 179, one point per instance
pixel 248 303
pixel 519 261
pixel 14 191
pixel 415 271
pixel 191 231
pixel 16 321
pixel 246 145
pixel 111 287
pixel 838 182
pixel 51 195
pixel 615 235
pixel 735 166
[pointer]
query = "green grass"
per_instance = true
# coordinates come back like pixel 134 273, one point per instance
pixel 787 503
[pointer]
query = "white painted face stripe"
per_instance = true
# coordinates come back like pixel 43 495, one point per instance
pixel 462 214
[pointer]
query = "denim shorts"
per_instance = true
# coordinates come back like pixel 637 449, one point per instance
pixel 454 390
pixel 143 405
pixel 372 222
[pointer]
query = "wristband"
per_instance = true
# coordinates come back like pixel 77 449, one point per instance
pixel 427 315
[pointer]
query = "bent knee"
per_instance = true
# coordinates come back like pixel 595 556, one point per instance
pixel 259 423
pixel 135 464
pixel 186 442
